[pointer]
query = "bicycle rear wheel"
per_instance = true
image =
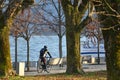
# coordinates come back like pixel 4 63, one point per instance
pixel 39 67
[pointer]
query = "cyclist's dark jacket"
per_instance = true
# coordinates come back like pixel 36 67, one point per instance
pixel 43 52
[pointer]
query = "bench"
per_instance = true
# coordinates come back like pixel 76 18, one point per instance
pixel 88 59
pixel 64 61
pixel 56 61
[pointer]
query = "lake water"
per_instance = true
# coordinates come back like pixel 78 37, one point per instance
pixel 36 43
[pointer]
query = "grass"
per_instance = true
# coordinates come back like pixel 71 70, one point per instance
pixel 99 75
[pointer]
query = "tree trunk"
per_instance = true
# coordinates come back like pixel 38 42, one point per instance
pixel 98 47
pixel 111 34
pixel 60 30
pixel 5 60
pixel 73 51
pixel 28 55
pixel 112 47
pixel 5 22
pixel 60 47
pixel 73 16
pixel 15 52
pixel 73 41
pixel 73 46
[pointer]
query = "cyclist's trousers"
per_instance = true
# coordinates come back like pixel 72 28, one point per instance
pixel 44 62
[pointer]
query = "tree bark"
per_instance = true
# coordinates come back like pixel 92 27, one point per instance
pixel 73 16
pixel 111 35
pixel 112 47
pixel 73 51
pixel 5 22
pixel 5 60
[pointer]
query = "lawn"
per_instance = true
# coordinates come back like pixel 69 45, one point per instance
pixel 101 75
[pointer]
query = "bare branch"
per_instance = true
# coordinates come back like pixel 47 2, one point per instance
pixel 12 7
pixel 113 10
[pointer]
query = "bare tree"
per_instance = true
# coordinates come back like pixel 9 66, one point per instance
pixel 53 18
pixel 26 27
pixel 93 32
pixel 15 32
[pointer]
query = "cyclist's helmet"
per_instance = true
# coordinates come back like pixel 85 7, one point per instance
pixel 45 46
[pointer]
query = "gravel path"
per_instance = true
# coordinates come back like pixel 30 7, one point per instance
pixel 55 70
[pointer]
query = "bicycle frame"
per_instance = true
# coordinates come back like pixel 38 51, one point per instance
pixel 41 66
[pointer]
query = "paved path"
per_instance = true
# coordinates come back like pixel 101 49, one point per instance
pixel 55 70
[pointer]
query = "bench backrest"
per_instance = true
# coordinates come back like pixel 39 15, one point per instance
pixel 55 61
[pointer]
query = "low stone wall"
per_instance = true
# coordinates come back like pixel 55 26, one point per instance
pixel 32 64
pixel 63 61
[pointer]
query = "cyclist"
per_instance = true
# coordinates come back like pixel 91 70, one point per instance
pixel 43 53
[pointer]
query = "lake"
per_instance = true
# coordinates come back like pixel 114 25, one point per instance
pixel 37 42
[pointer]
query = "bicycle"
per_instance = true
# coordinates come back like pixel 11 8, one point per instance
pixel 41 66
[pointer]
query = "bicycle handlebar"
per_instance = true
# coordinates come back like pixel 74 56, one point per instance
pixel 47 57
